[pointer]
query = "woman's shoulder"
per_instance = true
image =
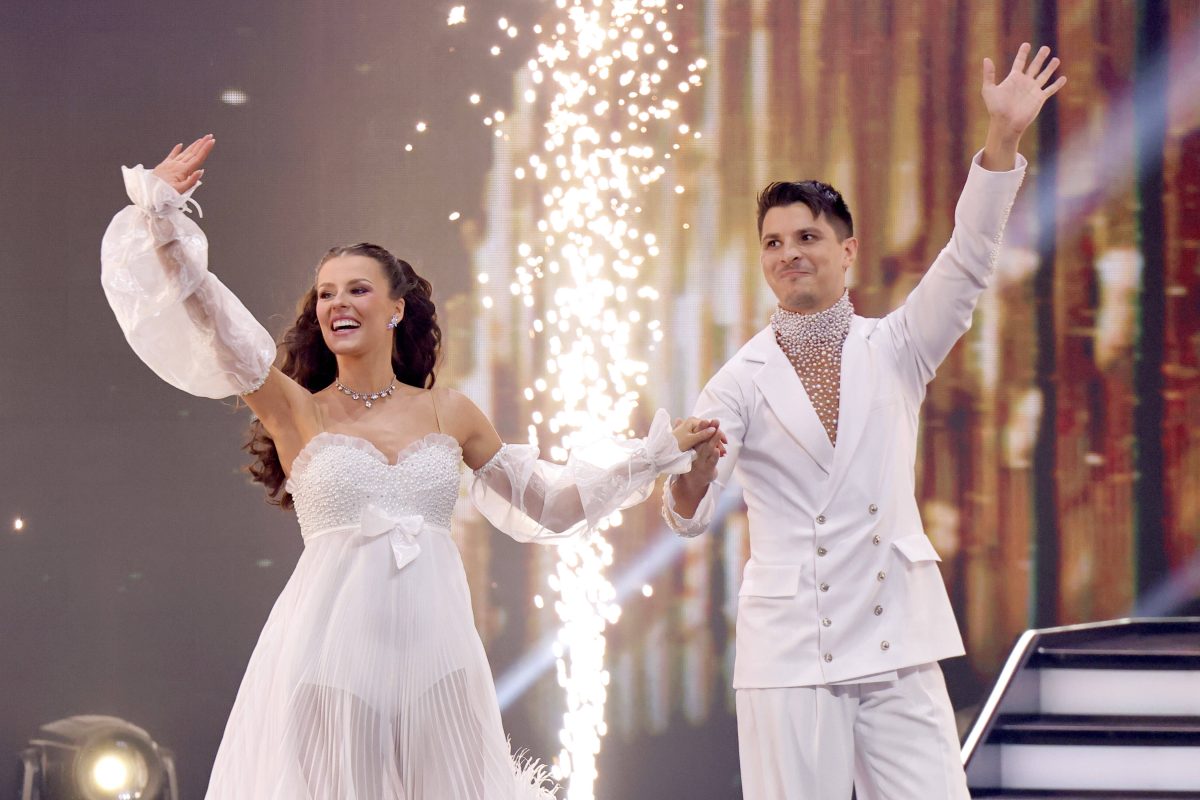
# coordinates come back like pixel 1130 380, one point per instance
pixel 465 421
pixel 452 400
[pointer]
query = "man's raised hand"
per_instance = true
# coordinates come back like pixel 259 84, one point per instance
pixel 182 166
pixel 1015 102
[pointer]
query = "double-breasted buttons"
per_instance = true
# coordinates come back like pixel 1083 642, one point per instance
pixel 821 551
pixel 875 539
pixel 882 575
pixel 828 657
pixel 878 611
pixel 824 587
pixel 821 519
pixel 885 645
pixel 827 622
pixel 873 509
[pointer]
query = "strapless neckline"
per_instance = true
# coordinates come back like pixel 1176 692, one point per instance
pixel 331 439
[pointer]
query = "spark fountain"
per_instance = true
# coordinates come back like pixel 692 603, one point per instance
pixel 601 83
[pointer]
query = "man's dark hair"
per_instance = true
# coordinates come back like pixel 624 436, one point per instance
pixel 821 199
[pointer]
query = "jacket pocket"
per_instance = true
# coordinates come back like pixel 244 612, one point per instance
pixel 916 548
pixel 770 580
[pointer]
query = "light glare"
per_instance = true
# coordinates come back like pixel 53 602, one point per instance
pixel 110 773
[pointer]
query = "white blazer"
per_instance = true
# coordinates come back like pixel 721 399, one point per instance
pixel 842 582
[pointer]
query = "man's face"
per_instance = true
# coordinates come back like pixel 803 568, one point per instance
pixel 803 261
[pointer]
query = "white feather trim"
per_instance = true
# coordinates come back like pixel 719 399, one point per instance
pixel 532 778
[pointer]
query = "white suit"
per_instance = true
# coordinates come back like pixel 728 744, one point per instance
pixel 842 585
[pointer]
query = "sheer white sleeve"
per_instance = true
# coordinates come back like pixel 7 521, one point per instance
pixel 179 319
pixel 535 500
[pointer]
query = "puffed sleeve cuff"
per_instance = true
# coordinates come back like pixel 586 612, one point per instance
pixel 663 450
pixel 153 195
pixel 699 521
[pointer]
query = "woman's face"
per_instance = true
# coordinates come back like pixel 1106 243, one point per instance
pixel 353 306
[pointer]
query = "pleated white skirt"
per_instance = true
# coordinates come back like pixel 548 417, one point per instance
pixel 370 683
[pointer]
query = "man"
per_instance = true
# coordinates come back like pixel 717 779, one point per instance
pixel 842 613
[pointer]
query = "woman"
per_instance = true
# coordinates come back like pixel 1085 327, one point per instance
pixel 369 680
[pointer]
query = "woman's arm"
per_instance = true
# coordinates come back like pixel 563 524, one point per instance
pixel 178 317
pixel 535 500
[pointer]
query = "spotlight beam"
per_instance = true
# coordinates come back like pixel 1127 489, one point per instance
pixel 666 549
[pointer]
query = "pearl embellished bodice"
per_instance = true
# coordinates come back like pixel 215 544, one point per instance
pixel 336 476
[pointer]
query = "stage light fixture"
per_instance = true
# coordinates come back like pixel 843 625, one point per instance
pixel 93 757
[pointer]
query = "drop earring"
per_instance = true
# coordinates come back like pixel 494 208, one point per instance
pixel 395 321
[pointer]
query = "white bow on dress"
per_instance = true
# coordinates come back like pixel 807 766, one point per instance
pixel 401 531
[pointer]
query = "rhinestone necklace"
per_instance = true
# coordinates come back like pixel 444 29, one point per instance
pixel 813 344
pixel 367 398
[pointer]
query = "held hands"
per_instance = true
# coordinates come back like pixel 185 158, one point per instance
pixel 705 437
pixel 181 169
pixel 1014 103
pixel 691 432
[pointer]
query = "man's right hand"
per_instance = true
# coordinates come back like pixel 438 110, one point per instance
pixel 690 487
pixel 704 467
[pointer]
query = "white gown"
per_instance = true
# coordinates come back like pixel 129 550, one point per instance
pixel 369 680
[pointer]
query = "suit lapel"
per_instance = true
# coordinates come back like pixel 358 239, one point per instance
pixel 857 391
pixel 784 392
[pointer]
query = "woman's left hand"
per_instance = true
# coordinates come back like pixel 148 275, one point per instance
pixel 692 432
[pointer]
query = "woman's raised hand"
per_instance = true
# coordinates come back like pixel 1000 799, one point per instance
pixel 182 166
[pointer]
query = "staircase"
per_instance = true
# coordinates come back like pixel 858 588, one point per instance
pixel 1103 710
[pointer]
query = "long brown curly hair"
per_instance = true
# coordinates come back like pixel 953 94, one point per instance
pixel 416 344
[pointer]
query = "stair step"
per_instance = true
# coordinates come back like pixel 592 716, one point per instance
pixel 1134 692
pixel 1115 658
pixel 1043 794
pixel 1148 646
pixel 1119 731
pixel 1095 767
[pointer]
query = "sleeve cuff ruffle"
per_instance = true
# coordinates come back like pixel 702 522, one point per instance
pixel 155 196
pixel 684 526
pixel 663 451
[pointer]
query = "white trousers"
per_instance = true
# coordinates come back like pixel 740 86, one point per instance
pixel 891 740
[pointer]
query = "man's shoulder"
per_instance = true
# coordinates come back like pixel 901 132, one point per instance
pixel 740 368
pixel 865 326
pixel 758 346
pixel 754 352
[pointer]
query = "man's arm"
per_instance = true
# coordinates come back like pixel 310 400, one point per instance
pixel 688 489
pixel 689 500
pixel 939 309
